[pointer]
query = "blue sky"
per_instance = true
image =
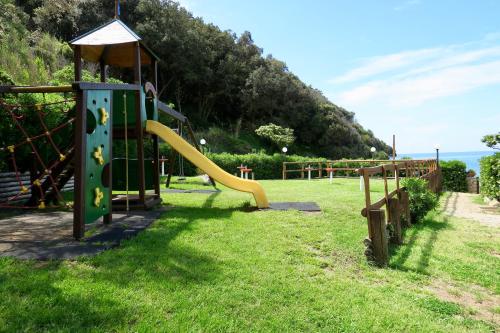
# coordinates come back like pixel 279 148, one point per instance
pixel 427 71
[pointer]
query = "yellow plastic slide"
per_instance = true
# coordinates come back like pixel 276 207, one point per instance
pixel 212 169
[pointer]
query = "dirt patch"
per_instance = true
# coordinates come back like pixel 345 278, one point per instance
pixel 480 302
pixel 462 205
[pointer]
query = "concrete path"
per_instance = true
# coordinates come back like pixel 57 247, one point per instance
pixel 463 205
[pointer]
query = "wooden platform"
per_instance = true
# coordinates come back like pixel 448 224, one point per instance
pixel 120 202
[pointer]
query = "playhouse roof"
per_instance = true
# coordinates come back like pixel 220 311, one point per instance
pixel 114 43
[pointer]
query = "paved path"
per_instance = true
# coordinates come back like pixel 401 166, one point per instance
pixel 462 205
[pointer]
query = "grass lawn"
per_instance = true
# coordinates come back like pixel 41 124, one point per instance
pixel 212 264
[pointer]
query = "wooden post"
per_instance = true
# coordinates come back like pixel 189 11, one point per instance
pixel 156 149
pixel 378 229
pixel 80 148
pixel 302 171
pixel 395 209
pixel 77 55
pixel 284 170
pixel 386 193
pixel 405 207
pixel 108 218
pixel 138 126
pixel 366 181
pixel 319 170
pixel 171 161
pixel 102 66
pixel 393 147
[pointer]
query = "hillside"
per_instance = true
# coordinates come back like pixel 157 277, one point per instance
pixel 223 82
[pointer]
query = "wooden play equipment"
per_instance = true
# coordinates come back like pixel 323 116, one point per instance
pixel 101 117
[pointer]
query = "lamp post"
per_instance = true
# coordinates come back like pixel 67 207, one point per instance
pixel 373 150
pixel 437 154
pixel 284 150
pixel 203 142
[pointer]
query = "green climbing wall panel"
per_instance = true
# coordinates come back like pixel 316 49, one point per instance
pixel 122 97
pixel 98 152
pixel 119 180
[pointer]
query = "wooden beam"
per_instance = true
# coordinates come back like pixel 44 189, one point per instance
pixel 138 126
pixel 80 156
pixel 77 54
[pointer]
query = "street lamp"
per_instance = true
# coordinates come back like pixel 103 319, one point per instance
pixel 203 142
pixel 437 147
pixel 373 150
pixel 284 150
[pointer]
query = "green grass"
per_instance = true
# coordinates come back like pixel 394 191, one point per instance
pixel 478 199
pixel 212 264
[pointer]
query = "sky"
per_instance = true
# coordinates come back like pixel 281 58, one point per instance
pixel 426 71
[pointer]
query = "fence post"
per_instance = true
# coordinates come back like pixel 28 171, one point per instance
pixel 284 170
pixel 405 207
pixel 395 211
pixel 378 247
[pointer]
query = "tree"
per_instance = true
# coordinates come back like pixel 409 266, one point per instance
pixel 280 136
pixel 492 140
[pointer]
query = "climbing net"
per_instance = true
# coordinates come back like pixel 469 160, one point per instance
pixel 44 146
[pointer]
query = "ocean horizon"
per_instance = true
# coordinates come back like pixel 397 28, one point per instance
pixel 470 158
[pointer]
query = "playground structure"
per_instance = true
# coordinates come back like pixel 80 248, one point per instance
pixel 100 117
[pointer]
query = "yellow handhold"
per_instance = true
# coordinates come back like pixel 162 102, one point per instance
pixel 98 196
pixel 41 205
pixel 62 157
pixel 104 116
pixel 98 155
pixel 11 149
pixel 38 107
pixel 24 189
pixel 37 182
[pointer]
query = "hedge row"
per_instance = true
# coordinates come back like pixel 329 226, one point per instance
pixel 454 175
pixel 490 176
pixel 264 166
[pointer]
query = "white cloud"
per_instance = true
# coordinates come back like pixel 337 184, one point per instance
pixel 411 78
pixel 386 63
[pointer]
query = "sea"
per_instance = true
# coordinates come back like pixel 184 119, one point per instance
pixel 471 158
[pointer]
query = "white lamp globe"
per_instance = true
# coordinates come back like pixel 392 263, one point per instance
pixel 437 147
pixel 284 149
pixel 373 149
pixel 203 142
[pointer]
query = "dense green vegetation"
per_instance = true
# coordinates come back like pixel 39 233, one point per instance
pixel 422 200
pixel 218 79
pixel 492 140
pixel 454 175
pixel 490 176
pixel 211 265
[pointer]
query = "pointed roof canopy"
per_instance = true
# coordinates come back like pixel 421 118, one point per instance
pixel 114 43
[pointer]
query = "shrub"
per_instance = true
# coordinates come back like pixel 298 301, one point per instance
pixel 280 136
pixel 454 175
pixel 490 176
pixel 422 200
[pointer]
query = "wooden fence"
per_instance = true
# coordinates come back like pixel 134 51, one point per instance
pixel 396 203
pixel 10 188
pixel 344 167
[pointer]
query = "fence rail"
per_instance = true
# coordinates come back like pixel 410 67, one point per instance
pixel 396 203
pixel 344 166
